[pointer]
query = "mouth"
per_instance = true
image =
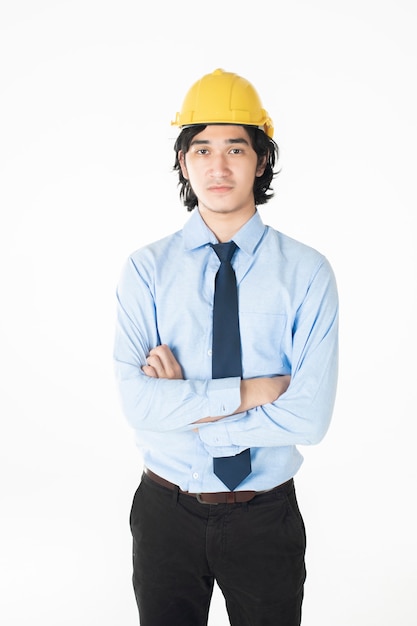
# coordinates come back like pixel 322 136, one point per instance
pixel 220 188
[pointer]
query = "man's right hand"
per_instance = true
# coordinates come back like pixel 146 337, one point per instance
pixel 255 392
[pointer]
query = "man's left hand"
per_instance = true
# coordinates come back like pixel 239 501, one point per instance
pixel 161 363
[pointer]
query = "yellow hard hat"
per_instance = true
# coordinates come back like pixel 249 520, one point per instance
pixel 223 98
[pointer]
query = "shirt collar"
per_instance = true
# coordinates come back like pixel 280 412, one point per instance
pixel 197 234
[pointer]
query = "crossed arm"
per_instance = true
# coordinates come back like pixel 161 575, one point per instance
pixel 161 363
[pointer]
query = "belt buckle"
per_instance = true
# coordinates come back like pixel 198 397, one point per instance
pixel 201 501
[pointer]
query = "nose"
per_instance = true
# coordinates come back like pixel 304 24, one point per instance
pixel 219 166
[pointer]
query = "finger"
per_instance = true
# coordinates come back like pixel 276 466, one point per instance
pixel 164 354
pixel 149 371
pixel 167 366
pixel 155 362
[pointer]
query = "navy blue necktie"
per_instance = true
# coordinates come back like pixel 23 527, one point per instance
pixel 227 358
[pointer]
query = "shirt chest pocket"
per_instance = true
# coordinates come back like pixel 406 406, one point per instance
pixel 263 343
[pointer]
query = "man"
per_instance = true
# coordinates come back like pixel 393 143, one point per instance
pixel 191 527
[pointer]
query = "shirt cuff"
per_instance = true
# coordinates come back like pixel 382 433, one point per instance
pixel 223 396
pixel 216 438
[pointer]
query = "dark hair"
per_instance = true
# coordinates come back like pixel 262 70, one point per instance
pixel 261 143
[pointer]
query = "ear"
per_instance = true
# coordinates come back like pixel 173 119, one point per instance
pixel 181 159
pixel 261 165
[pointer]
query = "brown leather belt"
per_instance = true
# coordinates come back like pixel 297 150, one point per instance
pixel 222 497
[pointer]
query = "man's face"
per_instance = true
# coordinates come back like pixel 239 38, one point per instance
pixel 221 166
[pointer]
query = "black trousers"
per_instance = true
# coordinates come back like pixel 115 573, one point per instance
pixel 255 552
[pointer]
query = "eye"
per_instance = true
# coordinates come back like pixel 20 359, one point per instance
pixel 236 151
pixel 202 151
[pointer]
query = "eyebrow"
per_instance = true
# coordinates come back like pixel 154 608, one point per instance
pixel 201 142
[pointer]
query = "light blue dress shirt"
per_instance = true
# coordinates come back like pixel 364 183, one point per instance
pixel 288 312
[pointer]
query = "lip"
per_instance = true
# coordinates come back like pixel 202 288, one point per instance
pixel 220 188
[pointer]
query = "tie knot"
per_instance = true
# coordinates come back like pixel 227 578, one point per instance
pixel 224 251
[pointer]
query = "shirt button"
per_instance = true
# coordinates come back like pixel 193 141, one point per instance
pixel 210 352
pixel 195 475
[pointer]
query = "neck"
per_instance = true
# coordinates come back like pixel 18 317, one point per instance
pixel 225 225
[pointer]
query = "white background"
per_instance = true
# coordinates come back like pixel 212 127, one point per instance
pixel 88 89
